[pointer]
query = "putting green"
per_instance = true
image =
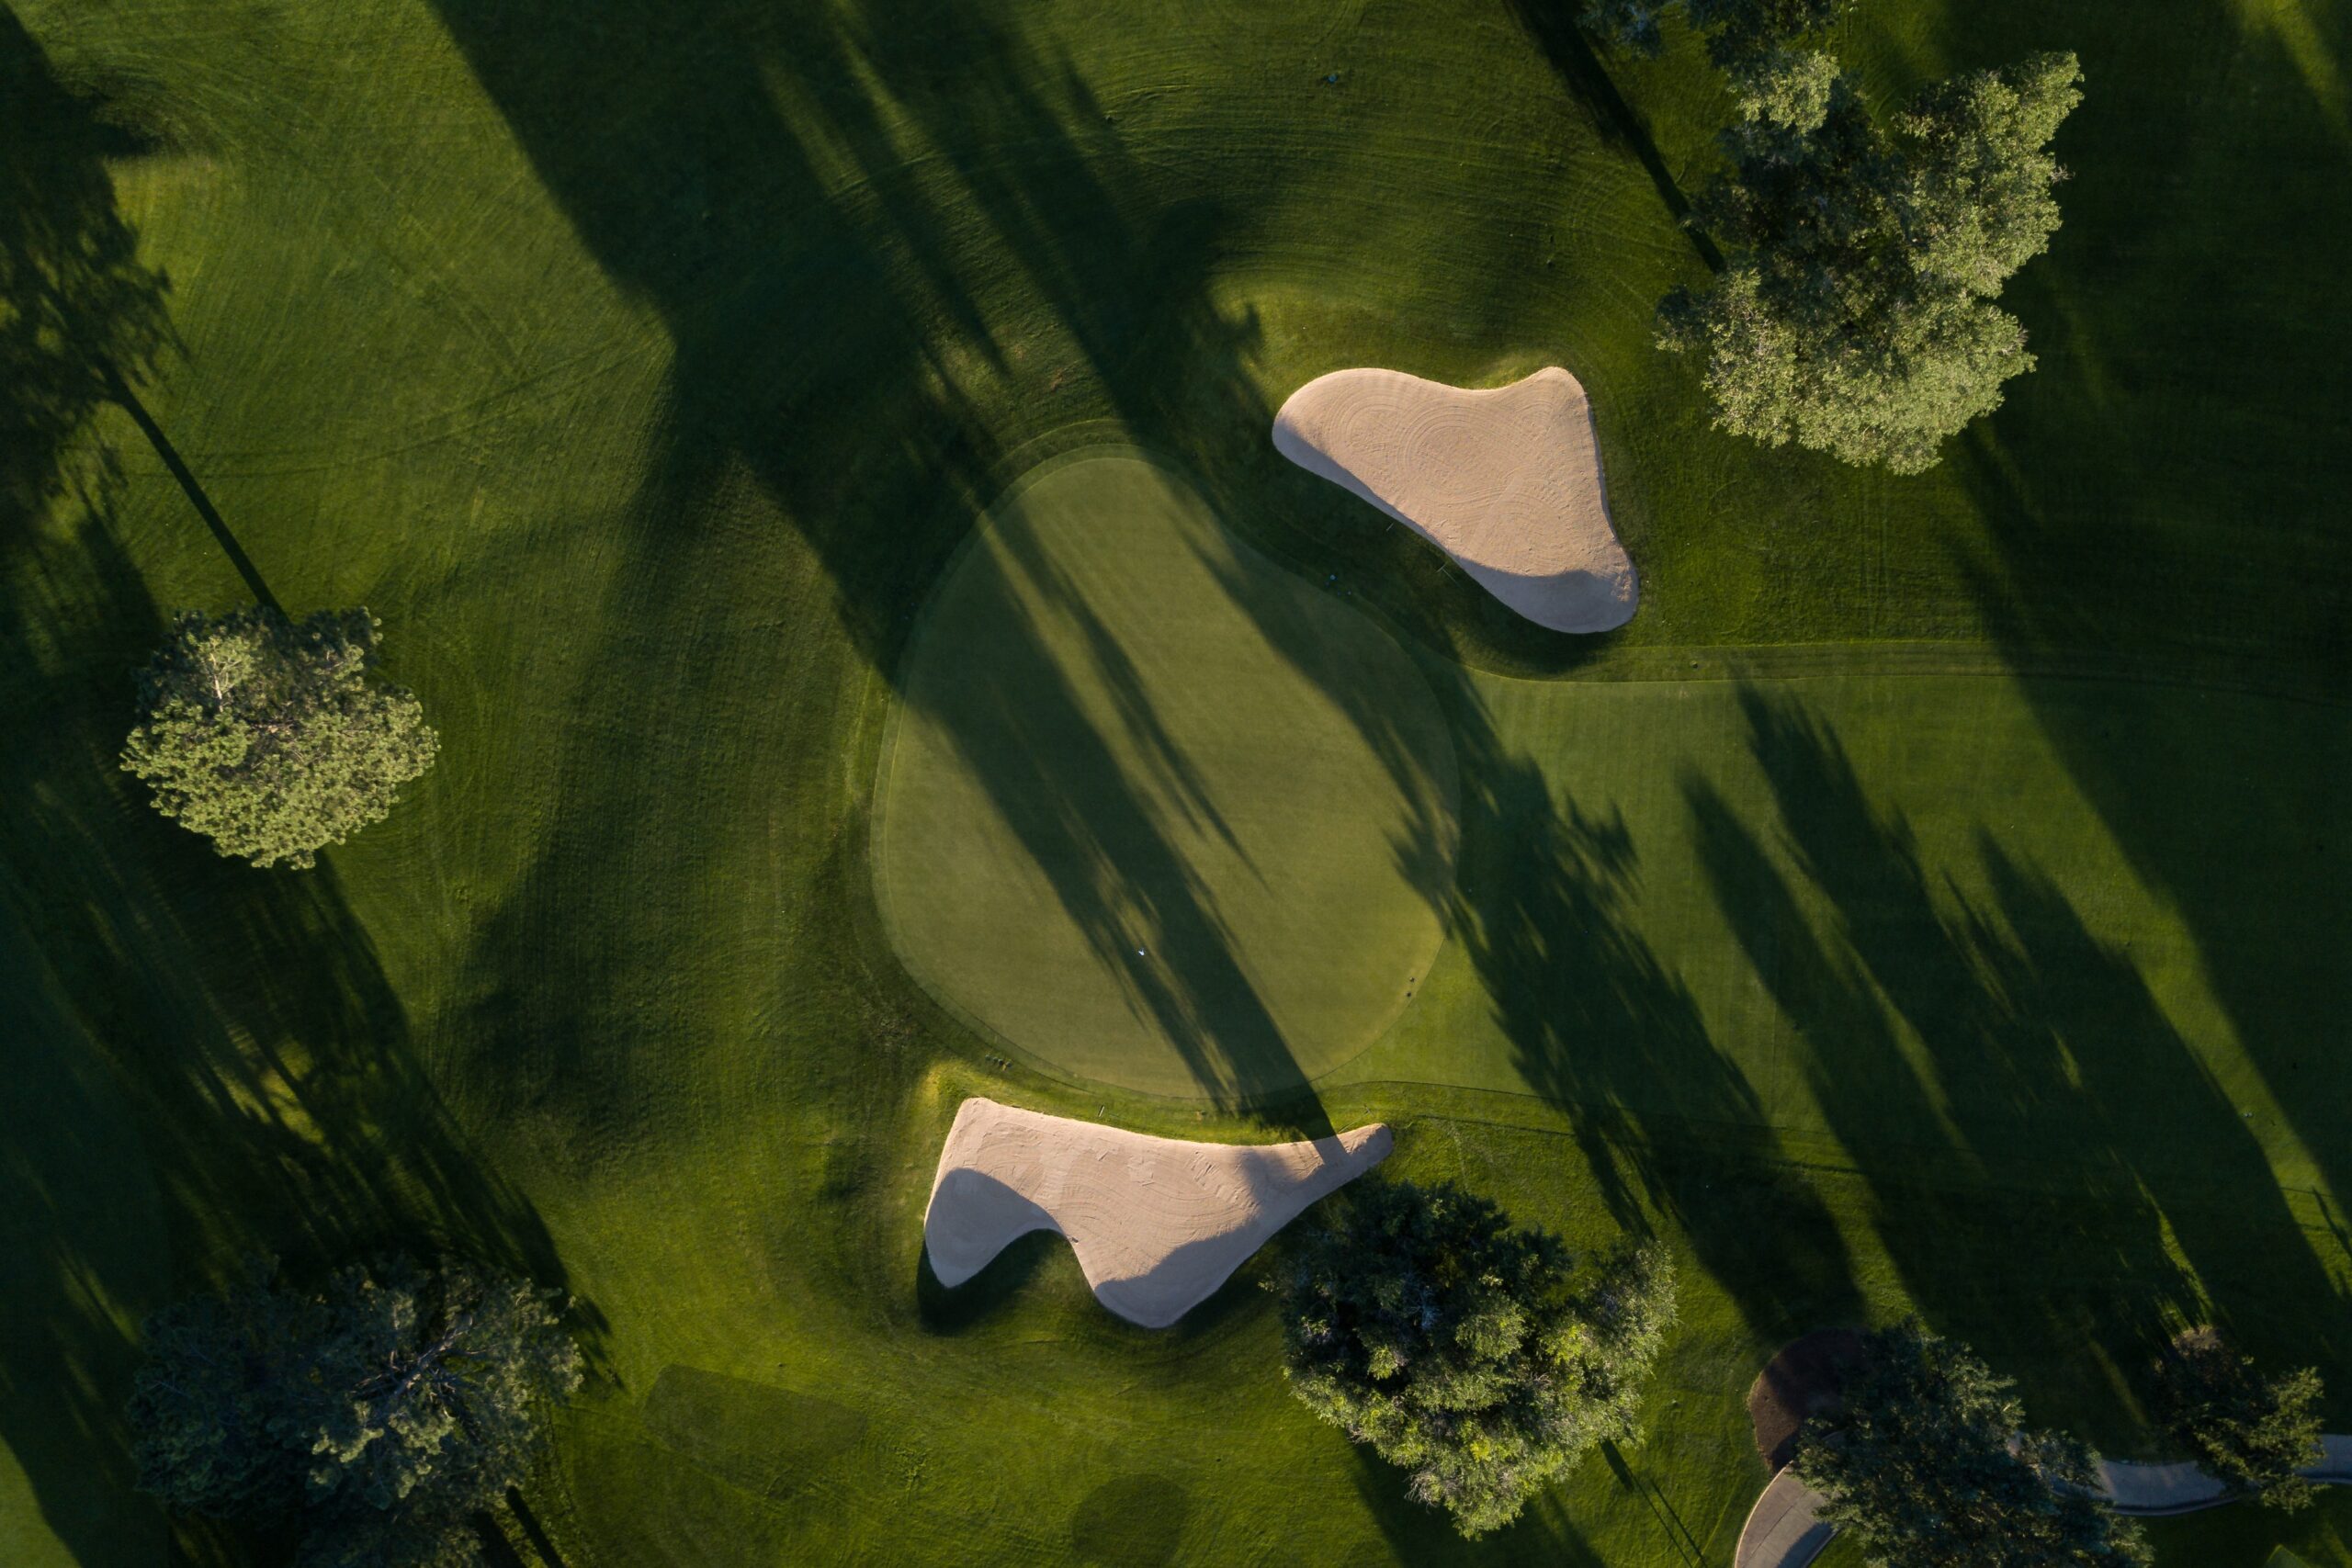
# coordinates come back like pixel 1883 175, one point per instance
pixel 1153 811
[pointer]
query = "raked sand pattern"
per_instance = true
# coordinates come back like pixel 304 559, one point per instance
pixel 1158 1223
pixel 1506 481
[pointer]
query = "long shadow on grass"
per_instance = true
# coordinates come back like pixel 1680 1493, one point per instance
pixel 83 319
pixel 2193 521
pixel 205 1061
pixel 812 202
pixel 1557 31
pixel 1544 906
pixel 2048 1163
pixel 76 304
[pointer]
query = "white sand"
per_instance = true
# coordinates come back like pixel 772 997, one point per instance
pixel 1158 1223
pixel 1506 481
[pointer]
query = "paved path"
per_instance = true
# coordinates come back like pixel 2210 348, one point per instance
pixel 1784 1530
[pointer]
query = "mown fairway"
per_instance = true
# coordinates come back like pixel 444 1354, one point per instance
pixel 644 365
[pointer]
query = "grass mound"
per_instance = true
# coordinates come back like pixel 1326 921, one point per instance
pixel 1155 811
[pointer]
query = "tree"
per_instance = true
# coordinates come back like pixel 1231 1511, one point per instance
pixel 1855 316
pixel 1929 1465
pixel 1746 39
pixel 266 735
pixel 1475 1356
pixel 2251 1431
pixel 373 1416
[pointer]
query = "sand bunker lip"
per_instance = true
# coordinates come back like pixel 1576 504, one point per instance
pixel 1506 480
pixel 1158 1223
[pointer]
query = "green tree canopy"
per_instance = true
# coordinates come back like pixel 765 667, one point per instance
pixel 2252 1432
pixel 1929 1465
pixel 1476 1356
pixel 266 735
pixel 1856 314
pixel 372 1415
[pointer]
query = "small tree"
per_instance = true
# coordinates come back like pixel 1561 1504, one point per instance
pixel 1929 1466
pixel 1856 315
pixel 372 1417
pixel 266 735
pixel 1473 1355
pixel 2252 1432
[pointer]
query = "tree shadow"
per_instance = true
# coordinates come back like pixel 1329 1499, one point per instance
pixel 2050 1164
pixel 1554 28
pixel 527 1520
pixel 121 393
pixel 835 306
pixel 222 1067
pixel 2189 529
pixel 77 307
pixel 83 319
pixel 1544 906
pixel 2164 752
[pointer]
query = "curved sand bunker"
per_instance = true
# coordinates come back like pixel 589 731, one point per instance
pixel 1506 481
pixel 1158 1223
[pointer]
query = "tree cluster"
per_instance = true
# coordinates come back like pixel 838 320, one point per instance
pixel 2251 1431
pixel 266 735
pixel 1480 1358
pixel 1855 314
pixel 371 1417
pixel 1930 1465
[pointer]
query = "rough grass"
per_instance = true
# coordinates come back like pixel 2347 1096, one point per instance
pixel 643 365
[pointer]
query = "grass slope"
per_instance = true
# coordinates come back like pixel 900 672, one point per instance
pixel 1121 825
pixel 643 365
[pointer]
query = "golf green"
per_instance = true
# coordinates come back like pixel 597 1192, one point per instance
pixel 1155 812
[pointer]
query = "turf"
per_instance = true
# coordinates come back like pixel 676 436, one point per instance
pixel 1152 810
pixel 2239 1537
pixel 645 365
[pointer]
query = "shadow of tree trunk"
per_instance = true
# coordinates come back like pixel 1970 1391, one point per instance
pixel 120 391
pixel 533 1531
pixel 1553 25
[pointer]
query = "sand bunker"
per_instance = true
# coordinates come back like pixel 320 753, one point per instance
pixel 1158 1223
pixel 1506 481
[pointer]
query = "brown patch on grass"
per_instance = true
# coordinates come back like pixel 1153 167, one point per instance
pixel 1807 1379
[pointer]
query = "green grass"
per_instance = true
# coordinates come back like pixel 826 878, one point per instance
pixel 2239 1537
pixel 2319 1537
pixel 1121 825
pixel 645 365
